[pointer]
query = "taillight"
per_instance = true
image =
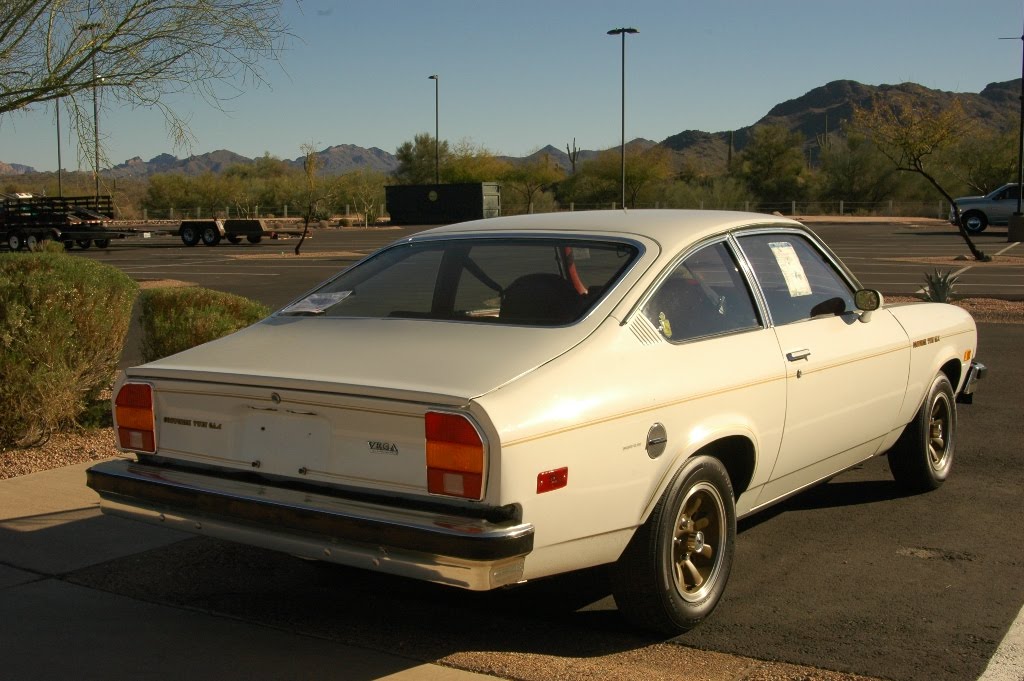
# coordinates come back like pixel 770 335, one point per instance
pixel 133 411
pixel 455 456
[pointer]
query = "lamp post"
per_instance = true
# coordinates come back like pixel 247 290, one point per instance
pixel 622 32
pixel 437 152
pixel 92 26
pixel 1015 229
pixel 60 166
pixel 95 132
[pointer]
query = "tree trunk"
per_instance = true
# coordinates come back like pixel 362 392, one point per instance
pixel 305 230
pixel 979 255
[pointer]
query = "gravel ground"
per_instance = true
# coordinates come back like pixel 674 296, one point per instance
pixel 991 310
pixel 63 449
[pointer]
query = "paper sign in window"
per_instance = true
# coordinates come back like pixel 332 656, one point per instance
pixel 316 303
pixel 792 270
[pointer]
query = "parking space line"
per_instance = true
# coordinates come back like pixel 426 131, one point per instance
pixel 193 273
pixel 1007 663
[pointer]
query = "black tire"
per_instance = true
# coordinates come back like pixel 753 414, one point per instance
pixel 211 236
pixel 84 243
pixel 921 459
pixel 974 221
pixel 102 243
pixel 189 235
pixel 673 572
pixel 235 239
pixel 32 242
pixel 68 245
pixel 16 241
pixel 254 238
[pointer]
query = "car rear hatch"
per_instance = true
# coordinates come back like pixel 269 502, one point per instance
pixel 285 398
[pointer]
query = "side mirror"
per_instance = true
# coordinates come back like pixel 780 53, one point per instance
pixel 867 301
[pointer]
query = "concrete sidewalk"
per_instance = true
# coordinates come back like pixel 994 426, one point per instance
pixel 51 525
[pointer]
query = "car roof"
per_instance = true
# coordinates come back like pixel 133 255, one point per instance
pixel 670 228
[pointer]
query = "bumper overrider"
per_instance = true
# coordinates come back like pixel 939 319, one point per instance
pixel 975 373
pixel 472 553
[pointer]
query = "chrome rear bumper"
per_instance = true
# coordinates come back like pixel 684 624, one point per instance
pixel 471 553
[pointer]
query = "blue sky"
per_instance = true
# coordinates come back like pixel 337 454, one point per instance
pixel 516 75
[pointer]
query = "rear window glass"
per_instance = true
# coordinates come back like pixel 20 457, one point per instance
pixel 536 282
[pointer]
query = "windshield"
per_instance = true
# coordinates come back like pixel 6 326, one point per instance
pixel 526 281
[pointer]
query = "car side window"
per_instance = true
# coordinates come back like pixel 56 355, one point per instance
pixel 704 295
pixel 797 280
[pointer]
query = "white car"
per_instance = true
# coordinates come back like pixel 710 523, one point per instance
pixel 498 401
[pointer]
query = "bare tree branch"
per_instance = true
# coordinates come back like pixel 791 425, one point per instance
pixel 911 135
pixel 135 52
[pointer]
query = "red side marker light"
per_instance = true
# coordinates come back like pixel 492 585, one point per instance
pixel 549 481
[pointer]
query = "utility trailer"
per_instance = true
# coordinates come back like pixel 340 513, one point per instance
pixel 27 220
pixel 210 232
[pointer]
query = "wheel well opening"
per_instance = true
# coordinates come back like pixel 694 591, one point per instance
pixel 737 455
pixel 952 370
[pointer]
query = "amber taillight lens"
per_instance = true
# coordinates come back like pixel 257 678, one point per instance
pixel 133 413
pixel 455 456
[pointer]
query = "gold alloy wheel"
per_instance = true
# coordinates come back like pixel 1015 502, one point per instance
pixel 939 432
pixel 697 541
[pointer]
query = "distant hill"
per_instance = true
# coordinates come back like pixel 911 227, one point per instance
pixel 823 109
pixel 335 160
pixel 15 169
pixel 560 157
pixel 344 158
pixel 212 162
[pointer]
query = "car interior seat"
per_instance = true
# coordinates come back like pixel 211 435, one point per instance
pixel 541 298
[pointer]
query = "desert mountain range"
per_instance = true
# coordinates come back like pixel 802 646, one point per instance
pixel 820 111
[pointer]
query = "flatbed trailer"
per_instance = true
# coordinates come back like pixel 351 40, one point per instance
pixel 26 221
pixel 210 232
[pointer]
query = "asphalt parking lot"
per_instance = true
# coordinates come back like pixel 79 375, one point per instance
pixel 892 257
pixel 850 576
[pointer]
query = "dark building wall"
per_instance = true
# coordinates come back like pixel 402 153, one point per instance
pixel 438 204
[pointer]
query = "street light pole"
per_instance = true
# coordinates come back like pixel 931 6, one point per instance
pixel 437 152
pixel 1020 141
pixel 96 131
pixel 92 26
pixel 622 32
pixel 1015 228
pixel 60 166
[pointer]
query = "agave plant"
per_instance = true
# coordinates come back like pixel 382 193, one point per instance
pixel 938 286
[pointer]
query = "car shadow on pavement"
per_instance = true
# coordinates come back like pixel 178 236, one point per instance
pixel 833 494
pixel 381 612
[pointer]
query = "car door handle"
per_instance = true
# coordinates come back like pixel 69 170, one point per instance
pixel 797 355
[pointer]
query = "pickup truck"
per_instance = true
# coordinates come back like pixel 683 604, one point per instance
pixel 995 208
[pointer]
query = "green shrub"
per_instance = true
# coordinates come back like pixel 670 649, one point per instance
pixel 176 319
pixel 938 287
pixel 63 322
pixel 49 246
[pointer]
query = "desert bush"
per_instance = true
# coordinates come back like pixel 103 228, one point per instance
pixel 938 286
pixel 49 246
pixel 176 319
pixel 63 322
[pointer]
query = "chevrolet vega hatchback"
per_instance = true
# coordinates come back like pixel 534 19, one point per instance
pixel 498 401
